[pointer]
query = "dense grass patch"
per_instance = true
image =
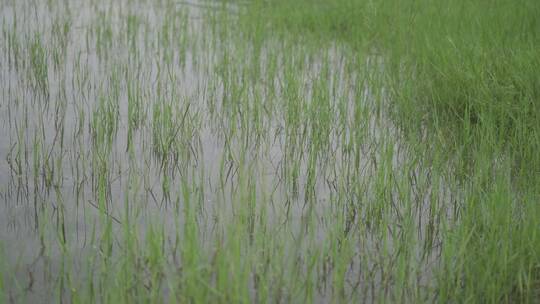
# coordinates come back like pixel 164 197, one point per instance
pixel 445 61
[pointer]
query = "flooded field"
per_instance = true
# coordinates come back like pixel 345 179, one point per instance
pixel 155 151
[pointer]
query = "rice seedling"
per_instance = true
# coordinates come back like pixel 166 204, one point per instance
pixel 269 151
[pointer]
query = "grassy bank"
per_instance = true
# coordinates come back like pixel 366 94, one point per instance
pixel 457 66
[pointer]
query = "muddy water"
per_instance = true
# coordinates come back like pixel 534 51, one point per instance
pixel 109 109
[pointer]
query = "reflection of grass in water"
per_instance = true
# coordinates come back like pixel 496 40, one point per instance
pixel 210 164
pixel 39 64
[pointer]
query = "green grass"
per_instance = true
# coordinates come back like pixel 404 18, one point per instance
pixel 462 75
pixel 270 151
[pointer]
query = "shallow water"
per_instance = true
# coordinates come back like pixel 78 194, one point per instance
pixel 141 103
